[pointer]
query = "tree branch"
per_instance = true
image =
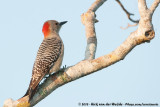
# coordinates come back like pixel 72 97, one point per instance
pixel 127 13
pixel 90 34
pixel 142 5
pixel 129 25
pixel 154 6
pixel 144 33
pixel 143 9
pixel 89 19
pixel 96 5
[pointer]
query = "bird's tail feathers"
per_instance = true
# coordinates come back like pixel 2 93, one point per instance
pixel 30 92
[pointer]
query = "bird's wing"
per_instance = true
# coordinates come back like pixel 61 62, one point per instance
pixel 48 53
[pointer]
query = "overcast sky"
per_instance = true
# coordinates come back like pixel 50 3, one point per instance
pixel 132 80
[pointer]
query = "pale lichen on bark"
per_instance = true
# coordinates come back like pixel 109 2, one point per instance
pixel 144 33
pixel 88 19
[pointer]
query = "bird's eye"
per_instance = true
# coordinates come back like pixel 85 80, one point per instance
pixel 56 23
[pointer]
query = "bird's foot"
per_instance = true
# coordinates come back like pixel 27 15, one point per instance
pixel 46 76
pixel 64 67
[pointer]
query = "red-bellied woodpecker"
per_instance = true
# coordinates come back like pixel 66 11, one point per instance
pixel 49 55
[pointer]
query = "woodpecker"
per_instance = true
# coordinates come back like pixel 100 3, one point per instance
pixel 49 55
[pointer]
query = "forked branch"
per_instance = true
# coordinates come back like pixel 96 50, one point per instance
pixel 127 13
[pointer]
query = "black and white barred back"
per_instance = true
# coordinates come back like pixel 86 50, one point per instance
pixel 48 53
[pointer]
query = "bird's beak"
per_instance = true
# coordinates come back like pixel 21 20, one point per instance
pixel 62 23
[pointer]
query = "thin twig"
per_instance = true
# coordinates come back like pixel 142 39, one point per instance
pixel 129 25
pixel 128 13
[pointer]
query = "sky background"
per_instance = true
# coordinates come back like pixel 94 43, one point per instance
pixel 132 80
